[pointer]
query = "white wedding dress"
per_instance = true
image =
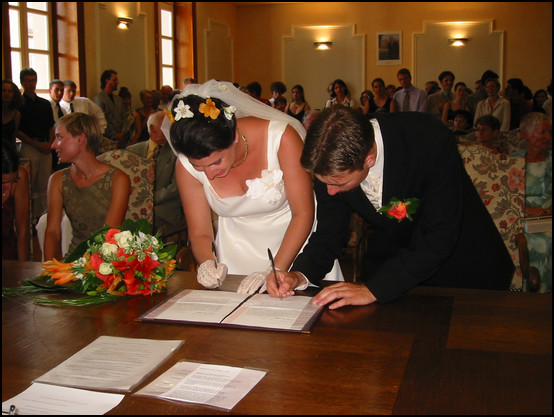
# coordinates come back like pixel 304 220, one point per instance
pixel 251 223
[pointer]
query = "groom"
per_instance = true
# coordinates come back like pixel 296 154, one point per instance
pixel 443 237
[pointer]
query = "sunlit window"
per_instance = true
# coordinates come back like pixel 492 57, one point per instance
pixel 167 45
pixel 31 41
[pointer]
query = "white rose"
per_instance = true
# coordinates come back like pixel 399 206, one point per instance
pixel 123 238
pixel 105 268
pixel 108 249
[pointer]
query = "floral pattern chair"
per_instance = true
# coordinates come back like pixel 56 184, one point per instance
pixel 500 181
pixel 141 172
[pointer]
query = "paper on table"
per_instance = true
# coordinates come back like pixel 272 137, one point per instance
pixel 111 363
pixel 44 399
pixel 213 385
pixel 264 311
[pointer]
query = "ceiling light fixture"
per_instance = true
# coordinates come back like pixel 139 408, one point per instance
pixel 323 46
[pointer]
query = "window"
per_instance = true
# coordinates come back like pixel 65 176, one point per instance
pixel 167 45
pixel 31 41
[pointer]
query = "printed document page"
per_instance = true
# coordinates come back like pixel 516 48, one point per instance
pixel 45 399
pixel 212 385
pixel 111 363
pixel 262 310
pixel 201 306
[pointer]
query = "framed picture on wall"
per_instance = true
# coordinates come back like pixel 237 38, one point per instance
pixel 389 48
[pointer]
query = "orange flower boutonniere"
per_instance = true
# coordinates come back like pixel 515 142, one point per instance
pixel 400 210
pixel 209 109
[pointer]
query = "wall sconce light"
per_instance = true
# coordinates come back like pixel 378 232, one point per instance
pixel 124 22
pixel 458 41
pixel 323 46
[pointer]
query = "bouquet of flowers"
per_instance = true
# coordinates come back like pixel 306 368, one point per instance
pixel 112 263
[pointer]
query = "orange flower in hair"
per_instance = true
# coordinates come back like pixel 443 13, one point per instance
pixel 209 109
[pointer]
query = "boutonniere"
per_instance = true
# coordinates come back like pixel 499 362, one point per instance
pixel 398 209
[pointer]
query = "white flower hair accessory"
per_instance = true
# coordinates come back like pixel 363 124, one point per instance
pixel 183 111
pixel 229 111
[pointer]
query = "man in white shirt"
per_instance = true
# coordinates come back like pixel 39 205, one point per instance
pixel 410 98
pixel 72 104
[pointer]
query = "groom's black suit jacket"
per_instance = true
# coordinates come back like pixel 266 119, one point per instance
pixel 452 240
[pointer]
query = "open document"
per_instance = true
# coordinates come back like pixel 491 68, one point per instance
pixel 230 309
pixel 111 363
pixel 212 385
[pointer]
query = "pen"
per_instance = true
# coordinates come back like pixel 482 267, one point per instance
pixel 274 272
pixel 12 410
pixel 215 261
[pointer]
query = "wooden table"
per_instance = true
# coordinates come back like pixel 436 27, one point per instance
pixel 433 351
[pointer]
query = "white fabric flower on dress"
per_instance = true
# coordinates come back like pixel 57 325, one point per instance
pixel 270 186
pixel 183 110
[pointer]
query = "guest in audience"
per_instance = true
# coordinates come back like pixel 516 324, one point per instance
pixel 247 170
pixel 309 117
pixel 431 87
pixel 92 193
pixel 188 80
pixel 480 93
pixel 280 103
pixel 55 93
pixel 254 89
pixel 362 166
pixel 15 205
pixel 539 98
pixel 494 105
pixel 459 102
pixel 144 113
pixel 391 89
pixel 131 124
pixel 278 88
pixel 461 124
pixel 340 95
pixel 521 100
pixel 434 105
pixel 298 107
pixel 165 97
pixel 36 134
pixel 72 104
pixel 11 117
pixel 380 102
pixel 167 202
pixel 537 129
pixel 409 98
pixel 113 109
pixel 364 98
pixel 488 134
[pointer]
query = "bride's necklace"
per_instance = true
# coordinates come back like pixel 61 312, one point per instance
pixel 245 151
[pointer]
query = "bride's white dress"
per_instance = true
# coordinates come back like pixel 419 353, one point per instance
pixel 251 223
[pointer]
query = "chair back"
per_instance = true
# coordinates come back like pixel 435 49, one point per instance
pixel 500 181
pixel 141 172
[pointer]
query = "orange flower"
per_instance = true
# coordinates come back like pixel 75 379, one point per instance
pixel 398 210
pixel 209 109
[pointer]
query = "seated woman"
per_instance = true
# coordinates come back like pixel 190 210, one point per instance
pixel 488 134
pixel 458 103
pixel 537 129
pixel 92 193
pixel 241 159
pixel 15 205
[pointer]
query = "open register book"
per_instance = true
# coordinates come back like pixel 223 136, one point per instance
pixel 231 309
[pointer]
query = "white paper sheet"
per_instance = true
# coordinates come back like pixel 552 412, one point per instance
pixel 45 399
pixel 212 385
pixel 111 363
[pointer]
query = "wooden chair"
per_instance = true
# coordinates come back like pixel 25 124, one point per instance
pixel 141 171
pixel 500 181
